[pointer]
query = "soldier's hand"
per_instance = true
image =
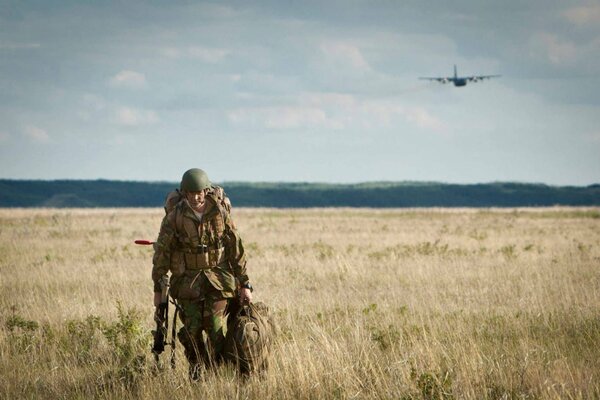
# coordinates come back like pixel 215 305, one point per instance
pixel 245 296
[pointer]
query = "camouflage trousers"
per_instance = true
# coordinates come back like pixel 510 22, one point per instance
pixel 207 315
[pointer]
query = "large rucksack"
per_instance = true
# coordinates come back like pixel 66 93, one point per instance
pixel 176 196
pixel 250 336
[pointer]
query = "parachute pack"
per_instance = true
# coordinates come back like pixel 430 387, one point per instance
pixel 250 335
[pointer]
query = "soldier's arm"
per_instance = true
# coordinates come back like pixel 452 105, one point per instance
pixel 162 250
pixel 235 251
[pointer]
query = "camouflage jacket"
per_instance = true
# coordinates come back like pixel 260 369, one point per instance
pixel 188 248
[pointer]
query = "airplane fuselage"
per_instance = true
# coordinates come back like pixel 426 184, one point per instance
pixel 458 82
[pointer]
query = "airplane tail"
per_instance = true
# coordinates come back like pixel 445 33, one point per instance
pixel 455 74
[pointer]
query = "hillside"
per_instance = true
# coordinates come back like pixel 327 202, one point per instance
pixel 105 193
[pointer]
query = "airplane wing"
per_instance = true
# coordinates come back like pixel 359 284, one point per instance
pixel 480 77
pixel 438 79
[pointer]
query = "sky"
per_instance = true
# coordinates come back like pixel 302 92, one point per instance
pixel 311 91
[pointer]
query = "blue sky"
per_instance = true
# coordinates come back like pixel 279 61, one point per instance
pixel 323 91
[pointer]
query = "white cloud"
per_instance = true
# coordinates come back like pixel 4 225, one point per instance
pixel 295 117
pixel 375 114
pixel 328 99
pixel 35 134
pixel 344 54
pixel 578 55
pixel 380 114
pixel 423 119
pixel 133 117
pixel 129 79
pixel 555 49
pixel 205 54
pixel 583 15
pixel 285 117
pixel 334 111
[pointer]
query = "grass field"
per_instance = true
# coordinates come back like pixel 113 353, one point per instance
pixel 413 304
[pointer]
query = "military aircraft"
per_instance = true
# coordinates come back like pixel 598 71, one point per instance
pixel 460 80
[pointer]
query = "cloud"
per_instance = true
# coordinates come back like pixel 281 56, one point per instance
pixel 556 50
pixel 423 119
pixel 583 15
pixel 344 54
pixel 348 111
pixel 372 114
pixel 35 134
pixel 285 117
pixel 334 111
pixel 581 57
pixel 380 114
pixel 295 117
pixel 205 54
pixel 133 117
pixel 328 99
pixel 128 79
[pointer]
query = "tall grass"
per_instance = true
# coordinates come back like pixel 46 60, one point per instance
pixel 413 304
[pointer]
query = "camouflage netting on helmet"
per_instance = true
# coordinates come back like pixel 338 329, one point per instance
pixel 250 335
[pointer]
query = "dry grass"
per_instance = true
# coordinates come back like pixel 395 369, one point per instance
pixel 434 303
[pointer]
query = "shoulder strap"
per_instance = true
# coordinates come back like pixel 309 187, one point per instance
pixel 179 218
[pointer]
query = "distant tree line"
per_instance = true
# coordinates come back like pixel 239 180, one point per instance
pixel 106 193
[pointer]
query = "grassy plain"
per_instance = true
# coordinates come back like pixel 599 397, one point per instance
pixel 413 304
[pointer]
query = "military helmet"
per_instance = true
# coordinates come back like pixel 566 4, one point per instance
pixel 194 180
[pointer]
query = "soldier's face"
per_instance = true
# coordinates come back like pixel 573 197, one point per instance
pixel 196 199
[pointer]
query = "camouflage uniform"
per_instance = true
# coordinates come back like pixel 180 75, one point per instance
pixel 205 257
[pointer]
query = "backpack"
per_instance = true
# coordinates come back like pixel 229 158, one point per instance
pixel 176 196
pixel 250 336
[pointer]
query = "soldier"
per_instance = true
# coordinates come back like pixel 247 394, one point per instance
pixel 199 245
